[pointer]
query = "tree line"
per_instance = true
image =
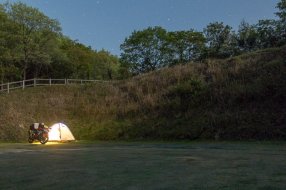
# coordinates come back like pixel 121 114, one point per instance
pixel 32 46
pixel 155 47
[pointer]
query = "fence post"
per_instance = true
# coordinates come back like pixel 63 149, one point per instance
pixel 65 81
pixel 23 84
pixel 50 82
pixel 80 81
pixel 35 82
pixel 8 87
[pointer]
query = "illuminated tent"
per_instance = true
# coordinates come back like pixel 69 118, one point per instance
pixel 60 132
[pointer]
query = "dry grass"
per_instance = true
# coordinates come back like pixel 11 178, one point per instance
pixel 238 98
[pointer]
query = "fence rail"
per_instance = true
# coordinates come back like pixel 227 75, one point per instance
pixel 7 87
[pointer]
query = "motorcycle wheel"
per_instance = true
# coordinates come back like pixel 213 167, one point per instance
pixel 44 139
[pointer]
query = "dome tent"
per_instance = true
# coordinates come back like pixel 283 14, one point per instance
pixel 60 132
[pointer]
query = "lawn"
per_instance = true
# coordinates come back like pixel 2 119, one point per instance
pixel 137 165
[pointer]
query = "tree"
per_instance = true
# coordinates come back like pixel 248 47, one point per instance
pixel 8 70
pixel 247 37
pixel 144 51
pixel 75 60
pixel 267 33
pixel 221 40
pixel 3 49
pixel 281 26
pixel 79 58
pixel 106 65
pixel 282 10
pixel 35 33
pixel 186 46
pixel 31 45
pixel 61 66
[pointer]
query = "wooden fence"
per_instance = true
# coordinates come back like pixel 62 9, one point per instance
pixel 41 82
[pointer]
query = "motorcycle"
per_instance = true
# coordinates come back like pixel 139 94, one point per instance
pixel 40 135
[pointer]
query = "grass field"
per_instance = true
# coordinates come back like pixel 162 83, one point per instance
pixel 135 165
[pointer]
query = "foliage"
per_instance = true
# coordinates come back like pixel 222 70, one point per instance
pixel 267 33
pixel 153 48
pixel 233 99
pixel 35 34
pixel 281 5
pixel 221 40
pixel 281 25
pixel 247 37
pixel 238 97
pixel 145 50
pixel 185 46
pixel 32 46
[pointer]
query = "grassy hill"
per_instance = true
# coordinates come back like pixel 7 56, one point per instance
pixel 242 97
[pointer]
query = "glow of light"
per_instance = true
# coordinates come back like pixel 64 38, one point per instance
pixel 54 134
pixel 52 143
pixel 48 143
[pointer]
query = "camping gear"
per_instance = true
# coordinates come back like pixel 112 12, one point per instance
pixel 60 132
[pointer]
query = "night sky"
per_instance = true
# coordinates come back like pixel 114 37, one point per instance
pixel 106 23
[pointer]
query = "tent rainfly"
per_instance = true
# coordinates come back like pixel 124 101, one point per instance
pixel 60 132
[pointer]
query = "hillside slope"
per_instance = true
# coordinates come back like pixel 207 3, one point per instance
pixel 239 98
